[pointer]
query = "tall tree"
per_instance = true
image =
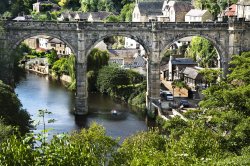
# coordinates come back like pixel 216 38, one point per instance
pixel 203 52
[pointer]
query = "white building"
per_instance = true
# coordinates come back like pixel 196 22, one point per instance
pixel 174 11
pixel 198 15
pixel 243 9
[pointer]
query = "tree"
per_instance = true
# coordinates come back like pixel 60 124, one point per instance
pixel 63 3
pixel 52 57
pixel 11 109
pixel 203 52
pixel 233 94
pixel 60 67
pixel 110 78
pixel 126 12
pixel 214 6
pixel 240 69
pixel 143 148
pixel 210 75
pixel 5 131
pixel 97 59
pixel 87 147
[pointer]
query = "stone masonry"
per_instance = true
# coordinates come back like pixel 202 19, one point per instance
pixel 228 38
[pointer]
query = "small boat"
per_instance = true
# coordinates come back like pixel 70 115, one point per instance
pixel 114 112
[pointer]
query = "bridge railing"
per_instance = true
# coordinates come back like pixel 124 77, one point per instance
pixel 118 25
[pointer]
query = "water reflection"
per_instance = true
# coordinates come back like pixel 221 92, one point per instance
pixel 36 92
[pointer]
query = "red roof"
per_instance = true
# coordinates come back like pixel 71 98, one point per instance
pixel 231 10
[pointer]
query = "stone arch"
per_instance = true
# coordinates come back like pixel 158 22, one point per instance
pixel 28 35
pixel 221 50
pixel 102 37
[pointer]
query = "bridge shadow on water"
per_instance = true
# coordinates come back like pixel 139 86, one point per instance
pixel 83 122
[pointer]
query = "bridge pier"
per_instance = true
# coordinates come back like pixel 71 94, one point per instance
pixel 81 102
pixel 153 72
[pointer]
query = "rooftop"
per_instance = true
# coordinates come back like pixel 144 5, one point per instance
pixel 183 61
pixel 192 73
pixel 150 8
pixel 196 12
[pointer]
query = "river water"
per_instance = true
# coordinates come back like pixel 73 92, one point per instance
pixel 39 92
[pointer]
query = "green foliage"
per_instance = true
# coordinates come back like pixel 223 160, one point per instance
pixel 97 59
pixel 60 67
pixel 66 66
pixel 210 75
pixel 92 77
pixel 97 5
pixel 126 12
pixel 71 70
pixel 11 109
pixel 233 94
pixel 63 3
pixel 5 130
pixel 112 18
pixel 179 84
pixel 213 6
pixel 144 148
pixel 202 51
pixel 87 147
pixel 110 77
pixel 52 57
pixel 240 69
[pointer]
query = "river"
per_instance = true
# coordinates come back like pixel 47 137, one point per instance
pixel 39 92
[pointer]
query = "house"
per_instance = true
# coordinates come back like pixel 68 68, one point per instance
pixel 43 6
pixel 198 15
pixel 43 41
pixel 243 9
pixel 192 77
pixel 98 16
pixel 49 43
pixel 73 16
pixel 81 16
pixel 66 16
pixel 139 61
pixel 175 11
pixel 143 12
pixel 146 11
pixel 60 47
pixel 32 42
pixel 117 60
pixel 172 70
pixel 228 12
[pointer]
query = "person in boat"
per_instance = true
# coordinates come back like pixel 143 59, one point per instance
pixel 114 112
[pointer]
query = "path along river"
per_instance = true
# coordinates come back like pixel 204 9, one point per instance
pixel 39 92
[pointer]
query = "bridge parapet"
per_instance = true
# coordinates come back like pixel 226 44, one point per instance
pixel 40 25
pixel 142 26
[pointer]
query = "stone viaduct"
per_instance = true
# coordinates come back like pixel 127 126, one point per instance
pixel 228 38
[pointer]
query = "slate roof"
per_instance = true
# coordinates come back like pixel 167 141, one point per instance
pixel 192 73
pixel 55 40
pixel 183 61
pixel 150 8
pixel 82 16
pixel 196 12
pixel 100 15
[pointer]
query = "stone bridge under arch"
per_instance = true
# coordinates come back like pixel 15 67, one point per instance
pixel 228 38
